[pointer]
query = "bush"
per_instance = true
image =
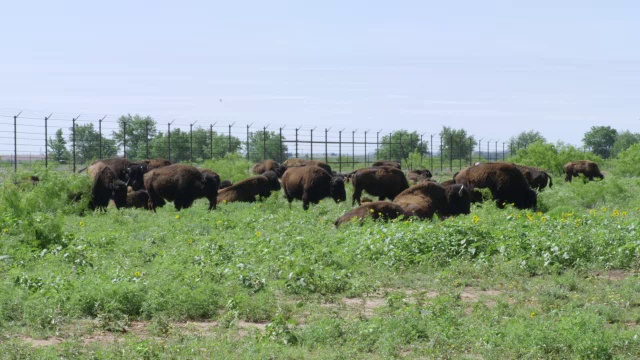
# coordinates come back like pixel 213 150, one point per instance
pixel 628 162
pixel 551 157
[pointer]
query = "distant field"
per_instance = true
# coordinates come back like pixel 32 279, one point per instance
pixel 268 281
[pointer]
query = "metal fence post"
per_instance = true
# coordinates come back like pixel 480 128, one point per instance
pixel 297 141
pixel 431 154
pixel 73 140
pixel 496 147
pixel 451 152
pixel 479 149
pixel 353 149
pixel 460 152
pixel 340 150
pixel 312 142
pixel 211 141
pixel 488 151
pixel 365 147
pixel 46 142
pixel 15 142
pixel 378 145
pixel 229 140
pixel 124 143
pixel 326 142
pixel 441 156
pixel 248 149
pixel 280 155
pixel 389 152
pixel 470 151
pixel 100 137
pixel 146 139
pixel 264 142
pixel 169 139
pixel 191 140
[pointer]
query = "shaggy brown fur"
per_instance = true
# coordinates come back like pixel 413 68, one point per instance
pixel 383 210
pixel 182 184
pixel 155 163
pixel 476 195
pixel 106 186
pixel 505 181
pixel 394 164
pixel 247 190
pixel 138 199
pixel 587 168
pixel 297 162
pixel 537 178
pixel 312 184
pixel 382 181
pixel 225 184
pixel 118 165
pixel 212 173
pixel 418 176
pixel 429 198
pixel 268 165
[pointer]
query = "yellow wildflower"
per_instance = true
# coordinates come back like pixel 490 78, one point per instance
pixel 624 213
pixel 81 223
pixel 137 274
pixel 258 233
pixel 372 211
pixel 533 314
pixel 177 216
pixel 475 219
pixel 615 213
pixel 604 209
pixel 5 230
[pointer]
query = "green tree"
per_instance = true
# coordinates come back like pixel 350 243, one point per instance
pixel 551 157
pixel 624 141
pixel 181 145
pixel 398 145
pixel 524 139
pixel 87 141
pixel 600 140
pixel 260 141
pixel 136 131
pixel 58 147
pixel 456 143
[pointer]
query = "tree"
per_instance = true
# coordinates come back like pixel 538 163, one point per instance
pixel 624 141
pixel 398 145
pixel 88 144
pixel 456 143
pixel 524 139
pixel 260 141
pixel 181 145
pixel 59 152
pixel 136 131
pixel 600 140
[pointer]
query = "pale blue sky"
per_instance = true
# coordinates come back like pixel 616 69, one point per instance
pixel 490 67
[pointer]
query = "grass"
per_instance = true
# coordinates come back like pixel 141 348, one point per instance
pixel 265 280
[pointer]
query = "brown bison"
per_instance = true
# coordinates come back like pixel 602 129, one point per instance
pixel 268 165
pixel 476 195
pixel 117 164
pixel 225 184
pixel 383 210
pixel 312 184
pixel 182 184
pixel 587 168
pixel 382 181
pixel 247 190
pixel 417 176
pixel 155 163
pixel 106 186
pixel 394 164
pixel 505 181
pixel 138 199
pixel 429 198
pixel 537 178
pixel 297 162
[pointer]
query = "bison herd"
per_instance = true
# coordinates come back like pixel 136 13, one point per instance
pixel 150 183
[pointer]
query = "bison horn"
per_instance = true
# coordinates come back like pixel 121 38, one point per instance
pixel 460 192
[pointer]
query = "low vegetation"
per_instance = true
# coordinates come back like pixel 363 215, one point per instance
pixel 268 280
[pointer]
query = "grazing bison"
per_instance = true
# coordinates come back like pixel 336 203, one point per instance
pixel 312 184
pixel 182 184
pixel 429 198
pixel 269 165
pixel 587 168
pixel 383 210
pixel 537 178
pixel 297 162
pixel 247 190
pixel 394 164
pixel 476 195
pixel 225 184
pixel 417 176
pixel 106 186
pixel 382 181
pixel 505 181
pixel 138 199
pixel 134 172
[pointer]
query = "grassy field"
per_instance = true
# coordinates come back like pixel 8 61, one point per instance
pixel 268 281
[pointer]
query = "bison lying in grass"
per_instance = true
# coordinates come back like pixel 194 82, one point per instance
pixel 587 168
pixel 379 210
pixel 418 176
pixel 505 181
pixel 382 181
pixel 248 190
pixel 269 165
pixel 312 184
pixel 182 184
pixel 426 199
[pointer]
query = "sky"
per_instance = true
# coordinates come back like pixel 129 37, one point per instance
pixel 492 68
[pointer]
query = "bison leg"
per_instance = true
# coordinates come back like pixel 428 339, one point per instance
pixel 305 201
pixel 380 198
pixel 357 192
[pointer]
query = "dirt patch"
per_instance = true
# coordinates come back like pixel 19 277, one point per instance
pixel 41 342
pixel 473 294
pixel 368 304
pixel 615 275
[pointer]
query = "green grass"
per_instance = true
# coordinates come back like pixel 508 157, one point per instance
pixel 283 283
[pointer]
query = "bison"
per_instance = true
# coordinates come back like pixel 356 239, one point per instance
pixel 225 184
pixel 417 176
pixel 269 165
pixel 117 164
pixel 505 181
pixel 476 195
pixel 382 181
pixel 312 184
pixel 429 198
pixel 383 210
pixel 106 186
pixel 537 178
pixel 182 184
pixel 587 168
pixel 247 190
pixel 297 162
pixel 138 199
pixel 394 164
pixel 156 163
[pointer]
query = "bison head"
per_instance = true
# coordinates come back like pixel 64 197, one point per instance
pixel 338 194
pixel 210 189
pixel 274 184
pixel 135 175
pixel 458 200
pixel 225 184
pixel 119 193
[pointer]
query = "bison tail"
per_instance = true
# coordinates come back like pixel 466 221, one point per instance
pixel 83 169
pixel 550 180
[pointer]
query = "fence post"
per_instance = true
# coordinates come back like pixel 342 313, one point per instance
pixel 100 137
pixel 211 139
pixel 229 140
pixel 470 151
pixel 146 139
pixel 169 140
pixel 46 143
pixel 248 149
pixel 460 152
pixel 15 142
pixel 451 152
pixel 365 147
pixel 479 149
pixel 297 141
pixel 441 156
pixel 340 150
pixel 124 143
pixel 353 149
pixel 488 151
pixel 326 142
pixel 73 140
pixel 378 145
pixel 312 142
pixel 496 147
pixel 264 142
pixel 502 151
pixel 431 154
pixel 389 152
pixel 401 153
pixel 421 147
pixel 280 155
pixel 191 140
